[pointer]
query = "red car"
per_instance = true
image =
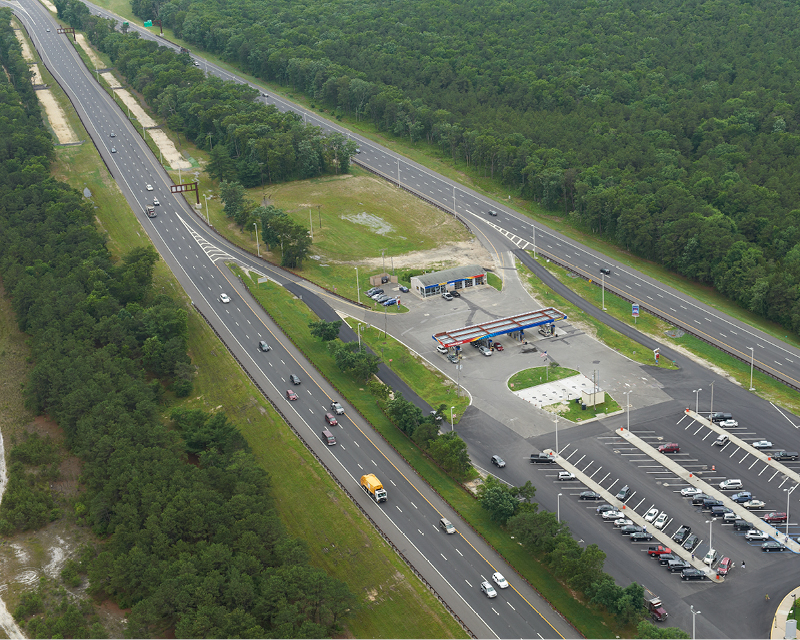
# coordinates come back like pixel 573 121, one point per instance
pixel 330 419
pixel 291 395
pixel 775 517
pixel 658 551
pixel 724 567
pixel 498 346
pixel 670 447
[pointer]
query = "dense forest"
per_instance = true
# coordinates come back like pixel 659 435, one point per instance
pixel 190 538
pixel 668 128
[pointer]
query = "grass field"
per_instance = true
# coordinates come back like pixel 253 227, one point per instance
pixel 538 375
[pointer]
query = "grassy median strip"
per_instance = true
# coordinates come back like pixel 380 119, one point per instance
pixel 293 317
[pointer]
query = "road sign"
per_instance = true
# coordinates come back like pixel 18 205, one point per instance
pixel 148 23
pixel 635 310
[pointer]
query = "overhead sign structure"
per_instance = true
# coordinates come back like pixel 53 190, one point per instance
pixel 182 188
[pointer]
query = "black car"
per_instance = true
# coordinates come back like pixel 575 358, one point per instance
pixel 605 507
pixel 692 574
pixel 605 271
pixel 628 529
pixel 698 499
pixel 403 289
pixel 771 545
pixel 691 542
pixel 294 379
pixel 264 346
pixel 719 512
pixel 455 294
pixel 497 461
pixel 666 558
pixel 492 212
pixel 641 536
pixel 673 566
pixel 590 495
pixel 624 493
pixel 682 533
pixel 711 502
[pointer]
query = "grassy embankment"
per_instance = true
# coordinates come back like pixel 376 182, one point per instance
pixel 392 598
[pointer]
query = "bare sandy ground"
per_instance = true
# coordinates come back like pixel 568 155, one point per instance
pixel 454 254
pixel 57 117
pixel 37 77
pixel 50 6
pixel 173 157
pixel 97 62
pixel 26 50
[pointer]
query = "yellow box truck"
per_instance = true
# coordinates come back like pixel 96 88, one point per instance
pixel 373 487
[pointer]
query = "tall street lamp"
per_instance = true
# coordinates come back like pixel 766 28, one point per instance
pixel 452 428
pixel 207 199
pixel 711 413
pixel 696 393
pixel 603 288
pixel 258 248
pixel 752 357
pixel 628 403
pixel 788 493
pixel 694 614
pixel 710 539
pixel 358 291
pixel 558 507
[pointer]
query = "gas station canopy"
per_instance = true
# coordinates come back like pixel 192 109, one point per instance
pixel 499 327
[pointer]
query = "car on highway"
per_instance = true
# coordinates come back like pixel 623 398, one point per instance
pixel 756 535
pixel 565 475
pixel 485 350
pixel 729 484
pixel 156 202
pixel 499 580
pixel 149 187
pixel 151 212
pixel 605 507
pixel 661 520
pixel 113 135
pixel 651 515
pixel 692 574
pixel 624 493
pixel 742 496
pixel 690 491
pixel 678 564
pixel 725 424
pixel 641 536
pixel 498 462
pixel 762 444
pixel 448 297
pixel 113 149
pixel 754 504
pixel 492 212
pixel 590 495
pixel 622 522
pixel 291 395
pixel 628 529
pixel 775 516
pixel 498 346
pixel 605 271
pixel 403 289
pixel 264 346
pixel 691 542
pixel 294 379
pixel 488 590
pixel 669 447
pixel 682 533
pixel 455 294
pixel 771 545
pixel 337 408
pixel 224 298
pixel 331 420
pixel 724 567
pixel 611 515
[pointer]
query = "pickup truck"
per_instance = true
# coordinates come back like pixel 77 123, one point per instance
pixel 543 458
pixel 658 550
pixel 785 455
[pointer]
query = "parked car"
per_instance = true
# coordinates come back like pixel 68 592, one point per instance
pixel 698 498
pixel 708 503
pixel 720 511
pixel 772 518
pixel 382 298
pixel 785 455
pixel 762 444
pixel 756 535
pixel 771 545
pixel 605 507
pixel 754 504
pixel 294 379
pixel 390 302
pixel 611 515
pixel 565 475
pixel 742 496
pixel 455 293
pixel 682 533
pixel 730 517
pixel 452 357
pixel 661 520
pixel 721 440
pixel 590 495
pixel 442 349
pixel 498 346
pixel 488 590
pixel 641 536
pixel 374 291
pixel 628 529
pixel 724 567
pixel 725 424
pixel 665 559
pixel 658 550
pixel 691 542
pixel 720 416
pixel 679 564
pixel 670 447
pixel 448 297
pixel 731 483
pixel 403 289
pixel 485 350
pixel 622 522
pixel 497 461
pixel 651 515
pixel 291 395
pixel 690 491
pixel 624 493
pixel 692 574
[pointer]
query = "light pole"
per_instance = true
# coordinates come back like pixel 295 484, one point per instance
pixel 533 226
pixel 694 614
pixel 358 291
pixel 711 411
pixel 603 288
pixel 710 539
pixel 258 248
pixel 696 393
pixel 788 493
pixel 207 199
pixel 628 403
pixel 452 428
pixel 558 507
pixel 358 329
pixel 752 357
pixel 556 435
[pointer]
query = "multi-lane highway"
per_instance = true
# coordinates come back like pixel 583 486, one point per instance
pixel 454 565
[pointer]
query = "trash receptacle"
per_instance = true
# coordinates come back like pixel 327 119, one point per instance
pixel 583 407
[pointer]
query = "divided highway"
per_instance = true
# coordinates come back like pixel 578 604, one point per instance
pixel 454 565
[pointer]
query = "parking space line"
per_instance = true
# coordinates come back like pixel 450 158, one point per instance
pixel 698 430
pixel 763 470
pixel 604 479
pixel 591 477
pixel 773 475
pixel 745 458
pixel 587 466
pixel 734 453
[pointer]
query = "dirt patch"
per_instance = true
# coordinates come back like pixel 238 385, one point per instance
pixel 37 76
pixel 50 6
pixel 97 62
pixel 173 157
pixel 26 50
pixel 56 117
pixel 452 254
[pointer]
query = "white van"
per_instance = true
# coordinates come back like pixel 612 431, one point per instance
pixel 445 524
pixel 711 556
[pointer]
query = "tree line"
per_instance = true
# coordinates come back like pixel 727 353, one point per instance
pixel 189 537
pixel 671 131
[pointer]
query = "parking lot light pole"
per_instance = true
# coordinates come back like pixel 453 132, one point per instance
pixel 452 428
pixel 788 493
pixel 558 507
pixel 556 435
pixel 628 402
pixel 696 393
pixel 752 357
pixel 694 614
pixel 711 411
pixel 710 539
pixel 358 291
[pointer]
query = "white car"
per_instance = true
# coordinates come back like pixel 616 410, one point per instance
pixel 224 298
pixel 441 349
pixel 688 492
pixel 499 580
pixel 488 590
pixel 448 297
pixel 756 535
pixel 754 504
pixel 727 485
pixel 762 444
pixel 156 202
pixel 651 515
pixel 149 187
pixel 566 475
pixel 661 520
pixel 485 350
pixel 728 423
pixel 622 522
pixel 611 515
